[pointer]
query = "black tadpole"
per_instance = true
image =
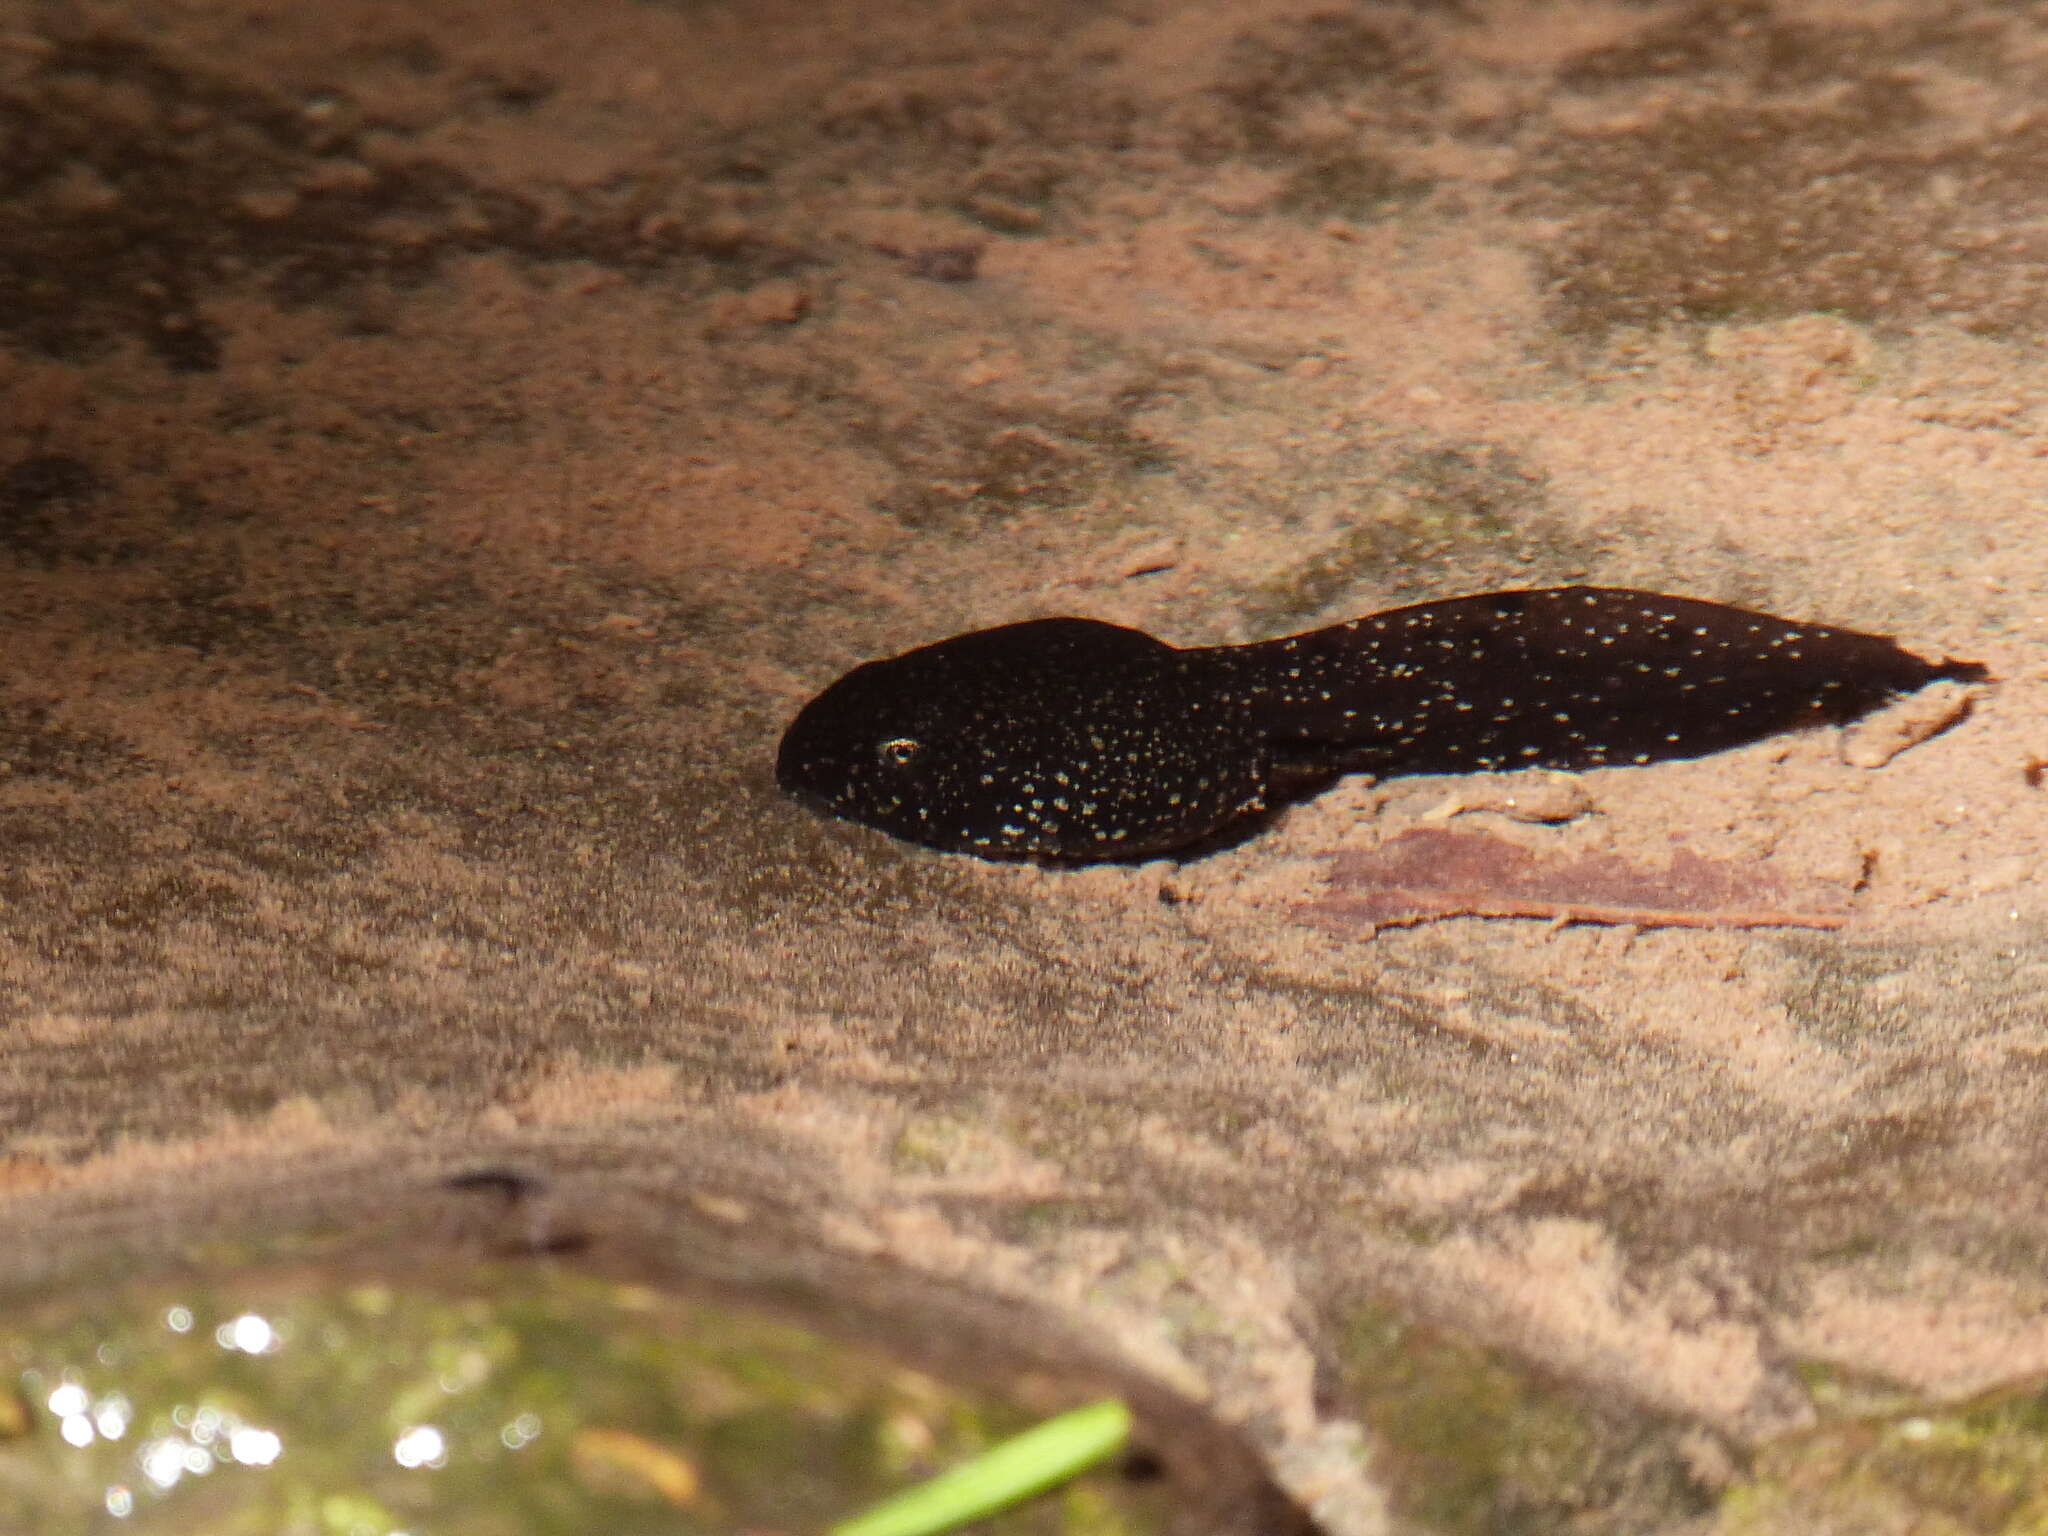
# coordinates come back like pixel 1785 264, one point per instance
pixel 1075 741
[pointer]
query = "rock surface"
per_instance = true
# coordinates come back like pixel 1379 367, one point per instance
pixel 440 447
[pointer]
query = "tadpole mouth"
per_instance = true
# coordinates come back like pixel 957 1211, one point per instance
pixel 806 775
pixel 810 798
pixel 796 776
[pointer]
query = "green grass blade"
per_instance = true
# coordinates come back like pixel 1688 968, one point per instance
pixel 1003 1475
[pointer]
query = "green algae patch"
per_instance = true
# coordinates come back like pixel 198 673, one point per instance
pixel 1980 1469
pixel 1469 1442
pixel 1461 516
pixel 529 1401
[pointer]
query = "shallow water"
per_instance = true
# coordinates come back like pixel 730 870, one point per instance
pixel 526 1401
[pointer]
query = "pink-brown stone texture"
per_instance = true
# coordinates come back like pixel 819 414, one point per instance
pixel 440 445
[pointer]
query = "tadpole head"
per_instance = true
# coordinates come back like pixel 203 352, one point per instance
pixel 1060 739
pixel 870 750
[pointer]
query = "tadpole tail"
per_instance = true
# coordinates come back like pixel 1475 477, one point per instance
pixel 1564 677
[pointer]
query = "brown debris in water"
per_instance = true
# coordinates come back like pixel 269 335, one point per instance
pixel 1432 872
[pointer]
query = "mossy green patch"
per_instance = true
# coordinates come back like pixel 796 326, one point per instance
pixel 1463 511
pixel 954 1146
pixel 968 470
pixel 1846 995
pixel 1349 186
pixel 1469 1441
pixel 1278 74
pixel 1977 1470
pixel 259 185
pixel 1822 200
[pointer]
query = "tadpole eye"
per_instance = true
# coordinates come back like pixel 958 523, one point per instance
pixel 900 751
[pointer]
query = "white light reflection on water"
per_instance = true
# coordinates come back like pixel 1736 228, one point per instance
pixel 249 1333
pixel 163 1460
pixel 111 1414
pixel 178 1319
pixel 211 1438
pixel 120 1502
pixel 68 1402
pixel 521 1432
pixel 421 1446
pixel 254 1447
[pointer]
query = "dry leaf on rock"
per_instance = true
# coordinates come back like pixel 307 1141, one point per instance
pixel 1432 872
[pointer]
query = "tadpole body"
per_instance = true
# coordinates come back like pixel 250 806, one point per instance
pixel 1073 740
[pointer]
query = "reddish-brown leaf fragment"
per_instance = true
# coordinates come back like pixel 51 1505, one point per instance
pixel 1433 872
